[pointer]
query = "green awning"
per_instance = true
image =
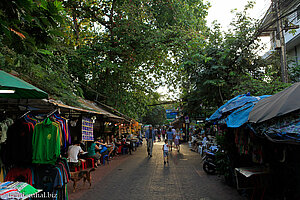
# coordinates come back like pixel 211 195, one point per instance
pixel 14 88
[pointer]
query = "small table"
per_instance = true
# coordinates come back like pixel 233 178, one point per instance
pixel 252 178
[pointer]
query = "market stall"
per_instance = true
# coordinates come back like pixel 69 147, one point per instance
pixel 265 155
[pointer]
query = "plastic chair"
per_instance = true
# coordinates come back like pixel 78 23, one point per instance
pixel 119 151
pixel 124 150
pixel 84 164
pixel 90 162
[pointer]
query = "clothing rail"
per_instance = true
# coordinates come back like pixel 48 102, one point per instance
pixel 25 114
pixel 52 112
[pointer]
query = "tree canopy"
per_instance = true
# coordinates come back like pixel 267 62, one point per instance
pixel 118 52
pixel 228 64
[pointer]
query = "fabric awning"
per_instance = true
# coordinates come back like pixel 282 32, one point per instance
pixel 18 89
pixel 279 104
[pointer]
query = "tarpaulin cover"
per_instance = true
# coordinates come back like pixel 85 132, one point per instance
pixel 279 104
pixel 241 115
pixel 285 129
pixel 236 110
pixel 219 112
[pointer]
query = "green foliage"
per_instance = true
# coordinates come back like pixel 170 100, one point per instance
pixel 125 49
pixel 222 160
pixel 155 116
pixel 228 64
pixel 116 52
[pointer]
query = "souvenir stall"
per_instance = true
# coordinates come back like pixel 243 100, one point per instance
pixel 242 164
pixel 277 120
pixel 30 144
pixel 265 157
pixel 33 149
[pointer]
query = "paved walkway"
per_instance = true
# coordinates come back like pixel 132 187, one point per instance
pixel 140 177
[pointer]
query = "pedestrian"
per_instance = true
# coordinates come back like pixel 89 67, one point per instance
pixel 170 136
pixel 158 134
pixel 165 149
pixel 163 133
pixel 177 138
pixel 150 137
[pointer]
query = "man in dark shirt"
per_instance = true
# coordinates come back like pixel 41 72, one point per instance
pixel 150 137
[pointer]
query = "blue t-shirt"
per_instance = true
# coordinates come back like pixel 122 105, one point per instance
pixel 170 135
pixel 104 148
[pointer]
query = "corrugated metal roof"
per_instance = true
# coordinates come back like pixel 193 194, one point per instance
pixel 93 106
pixel 87 106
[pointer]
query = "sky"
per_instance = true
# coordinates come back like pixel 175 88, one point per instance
pixel 220 10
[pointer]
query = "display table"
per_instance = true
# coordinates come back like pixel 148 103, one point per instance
pixel 250 171
pixel 255 178
pixel 17 190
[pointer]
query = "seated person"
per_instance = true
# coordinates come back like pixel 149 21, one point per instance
pixel 91 148
pixel 73 152
pixel 116 141
pixel 103 148
pixel 114 147
pixel 125 144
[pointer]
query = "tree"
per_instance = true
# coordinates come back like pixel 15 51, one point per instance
pixel 116 52
pixel 31 43
pixel 124 49
pixel 155 115
pixel 227 65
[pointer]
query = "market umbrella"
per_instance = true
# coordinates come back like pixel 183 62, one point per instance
pixel 281 103
pixel 15 88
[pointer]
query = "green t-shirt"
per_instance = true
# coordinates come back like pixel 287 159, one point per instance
pixel 91 150
pixel 46 142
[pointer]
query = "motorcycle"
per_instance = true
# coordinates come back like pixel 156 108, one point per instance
pixel 209 160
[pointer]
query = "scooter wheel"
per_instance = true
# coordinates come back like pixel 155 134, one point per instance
pixel 209 169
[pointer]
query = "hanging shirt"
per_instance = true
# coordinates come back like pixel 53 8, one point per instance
pixel 3 129
pixel 46 142
pixel 19 174
pixel 48 178
pixel 18 147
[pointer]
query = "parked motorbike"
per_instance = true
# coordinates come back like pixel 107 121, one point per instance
pixel 209 160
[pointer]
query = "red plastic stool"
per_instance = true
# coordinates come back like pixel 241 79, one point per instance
pixel 83 164
pixel 77 169
pixel 90 162
pixel 119 149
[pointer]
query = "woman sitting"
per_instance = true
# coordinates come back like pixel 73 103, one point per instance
pixel 91 148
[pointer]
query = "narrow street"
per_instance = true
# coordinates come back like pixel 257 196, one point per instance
pixel 140 177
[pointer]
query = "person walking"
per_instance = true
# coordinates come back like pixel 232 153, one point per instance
pixel 163 133
pixel 177 138
pixel 170 136
pixel 165 149
pixel 158 134
pixel 150 137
